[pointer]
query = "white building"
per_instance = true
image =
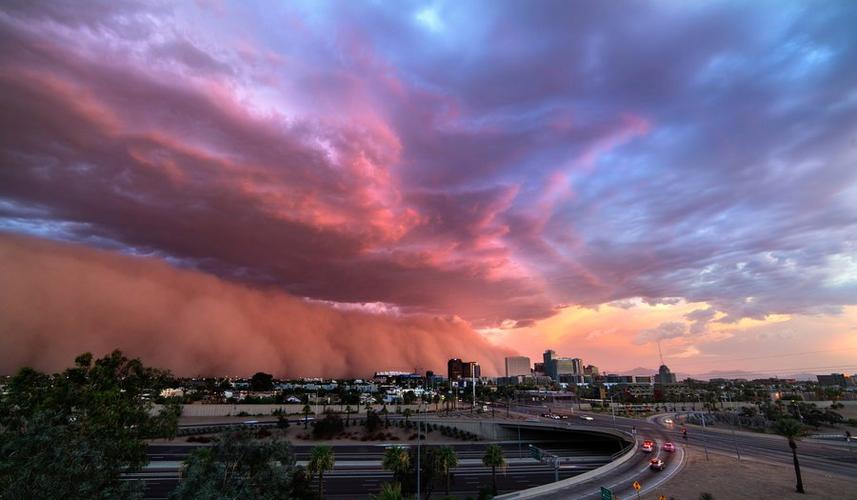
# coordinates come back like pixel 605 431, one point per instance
pixel 517 365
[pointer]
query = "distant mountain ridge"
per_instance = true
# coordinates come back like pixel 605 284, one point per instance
pixel 728 374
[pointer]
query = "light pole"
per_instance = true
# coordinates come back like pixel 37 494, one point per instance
pixel 613 410
pixel 704 438
pixel 734 436
pixel 419 437
pixel 473 379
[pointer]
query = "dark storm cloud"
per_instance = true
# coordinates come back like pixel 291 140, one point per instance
pixel 485 160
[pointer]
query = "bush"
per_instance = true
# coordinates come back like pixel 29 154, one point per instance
pixel 328 427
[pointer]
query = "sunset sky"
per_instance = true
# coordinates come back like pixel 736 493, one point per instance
pixel 349 186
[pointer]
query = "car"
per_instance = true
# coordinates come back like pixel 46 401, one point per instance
pixel 656 464
pixel 668 446
pixel 564 417
pixel 587 418
pixel 555 417
pixel 668 421
pixel 647 447
pixel 547 415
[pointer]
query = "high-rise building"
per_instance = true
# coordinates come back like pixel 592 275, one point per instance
pixel 547 357
pixel 517 365
pixel 664 376
pixel 472 370
pixel 455 369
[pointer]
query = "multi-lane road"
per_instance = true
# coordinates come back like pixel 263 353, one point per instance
pixel 828 457
pixel 358 470
pixel 358 467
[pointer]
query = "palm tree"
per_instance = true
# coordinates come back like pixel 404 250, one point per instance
pixel 398 461
pixel 407 413
pixel 306 411
pixel 321 460
pixel 792 430
pixel 390 491
pixel 384 411
pixel 446 461
pixel 494 458
pixel 348 411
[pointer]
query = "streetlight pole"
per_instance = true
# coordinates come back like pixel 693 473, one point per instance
pixel 419 437
pixel 704 437
pixel 613 410
pixel 473 379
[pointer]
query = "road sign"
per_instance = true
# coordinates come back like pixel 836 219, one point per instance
pixel 606 494
pixel 637 485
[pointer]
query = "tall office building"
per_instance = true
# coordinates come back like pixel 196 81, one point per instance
pixel 548 358
pixel 664 376
pixel 562 369
pixel 472 370
pixel 517 366
pixel 455 369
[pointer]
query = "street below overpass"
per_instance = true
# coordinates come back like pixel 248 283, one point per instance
pixel 358 472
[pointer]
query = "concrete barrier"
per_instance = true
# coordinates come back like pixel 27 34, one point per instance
pixel 582 478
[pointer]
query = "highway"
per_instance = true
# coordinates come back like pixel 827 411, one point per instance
pixel 828 457
pixel 358 468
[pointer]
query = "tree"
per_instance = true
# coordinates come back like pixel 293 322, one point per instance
pixel 261 381
pixel 307 410
pixel 321 460
pixel 329 426
pixel 240 468
pixel 390 491
pixel 71 435
pixel 494 458
pixel 792 430
pixel 348 412
pixel 373 422
pixel 386 413
pixel 398 461
pixel 446 460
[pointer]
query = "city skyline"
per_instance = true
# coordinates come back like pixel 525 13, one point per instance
pixel 332 189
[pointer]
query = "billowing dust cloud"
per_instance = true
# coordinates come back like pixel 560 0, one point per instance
pixel 58 300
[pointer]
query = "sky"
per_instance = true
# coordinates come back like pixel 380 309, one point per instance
pixel 396 183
